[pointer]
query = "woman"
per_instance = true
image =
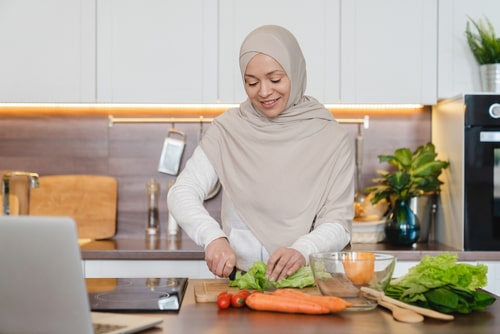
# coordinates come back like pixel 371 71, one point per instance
pixel 285 165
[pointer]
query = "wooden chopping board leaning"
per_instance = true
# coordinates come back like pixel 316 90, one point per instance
pixel 89 199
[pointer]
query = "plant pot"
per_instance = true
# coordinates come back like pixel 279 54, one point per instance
pixel 490 77
pixel 425 207
pixel 402 227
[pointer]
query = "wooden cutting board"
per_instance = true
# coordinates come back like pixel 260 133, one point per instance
pixel 89 199
pixel 207 291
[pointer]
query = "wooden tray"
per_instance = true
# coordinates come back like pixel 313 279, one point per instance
pixel 207 291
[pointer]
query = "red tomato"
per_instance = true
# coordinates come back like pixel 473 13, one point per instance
pixel 237 300
pixel 224 300
pixel 244 293
pixel 222 293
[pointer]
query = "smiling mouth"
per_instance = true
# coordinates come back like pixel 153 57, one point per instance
pixel 270 102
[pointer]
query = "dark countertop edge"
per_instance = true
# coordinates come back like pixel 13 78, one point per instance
pixel 134 249
pixel 143 255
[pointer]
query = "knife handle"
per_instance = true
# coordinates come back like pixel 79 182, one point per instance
pixel 232 275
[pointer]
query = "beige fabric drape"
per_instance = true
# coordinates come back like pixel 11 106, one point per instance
pixel 283 172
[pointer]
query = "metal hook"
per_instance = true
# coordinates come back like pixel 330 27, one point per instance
pixel 201 128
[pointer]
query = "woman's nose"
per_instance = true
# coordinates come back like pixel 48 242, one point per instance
pixel 265 89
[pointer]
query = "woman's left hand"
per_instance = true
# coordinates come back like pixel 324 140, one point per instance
pixel 284 262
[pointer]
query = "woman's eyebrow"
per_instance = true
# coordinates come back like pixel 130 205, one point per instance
pixel 267 74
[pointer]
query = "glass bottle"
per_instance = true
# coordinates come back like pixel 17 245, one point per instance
pixel 153 223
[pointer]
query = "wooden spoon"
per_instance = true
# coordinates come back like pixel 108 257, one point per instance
pixel 401 314
pixel 379 295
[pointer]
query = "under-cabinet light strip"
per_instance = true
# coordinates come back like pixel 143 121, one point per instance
pixel 192 106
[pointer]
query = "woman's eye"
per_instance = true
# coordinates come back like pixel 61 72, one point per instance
pixel 252 84
pixel 276 81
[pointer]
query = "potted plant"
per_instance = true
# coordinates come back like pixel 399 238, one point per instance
pixel 485 47
pixel 414 174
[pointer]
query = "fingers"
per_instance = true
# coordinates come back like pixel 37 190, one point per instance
pixel 220 257
pixel 284 262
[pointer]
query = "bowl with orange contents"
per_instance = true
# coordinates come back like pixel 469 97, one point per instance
pixel 342 274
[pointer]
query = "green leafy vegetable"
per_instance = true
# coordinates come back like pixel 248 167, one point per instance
pixel 256 278
pixel 300 279
pixel 442 284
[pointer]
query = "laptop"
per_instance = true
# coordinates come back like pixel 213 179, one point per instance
pixel 42 288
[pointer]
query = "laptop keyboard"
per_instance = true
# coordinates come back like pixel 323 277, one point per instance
pixel 106 328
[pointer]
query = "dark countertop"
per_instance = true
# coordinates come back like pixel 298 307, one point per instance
pixel 206 318
pixel 181 247
pixel 140 247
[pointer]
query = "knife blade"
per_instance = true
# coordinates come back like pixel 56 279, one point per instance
pixel 269 286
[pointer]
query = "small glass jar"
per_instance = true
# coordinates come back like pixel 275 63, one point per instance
pixel 153 222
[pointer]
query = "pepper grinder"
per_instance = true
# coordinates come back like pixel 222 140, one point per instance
pixel 153 223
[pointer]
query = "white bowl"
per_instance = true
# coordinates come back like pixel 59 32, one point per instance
pixel 368 232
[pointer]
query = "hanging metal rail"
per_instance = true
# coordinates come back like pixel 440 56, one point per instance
pixel 112 120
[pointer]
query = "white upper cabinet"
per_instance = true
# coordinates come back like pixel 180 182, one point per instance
pixel 170 51
pixel 357 51
pixel 48 51
pixel 389 51
pixel 156 51
pixel 458 70
pixel 314 23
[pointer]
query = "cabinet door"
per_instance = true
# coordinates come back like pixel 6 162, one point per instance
pixel 157 51
pixel 314 23
pixel 388 51
pixel 458 69
pixel 48 51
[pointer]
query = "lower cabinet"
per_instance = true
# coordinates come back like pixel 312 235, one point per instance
pixel 145 268
pixel 199 269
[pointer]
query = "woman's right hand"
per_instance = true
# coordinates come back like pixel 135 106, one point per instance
pixel 220 257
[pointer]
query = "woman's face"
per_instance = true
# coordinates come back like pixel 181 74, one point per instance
pixel 267 85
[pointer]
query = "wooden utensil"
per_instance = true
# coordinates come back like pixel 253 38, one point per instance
pixel 423 311
pixel 402 314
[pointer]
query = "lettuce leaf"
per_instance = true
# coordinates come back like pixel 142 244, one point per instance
pixel 302 278
pixel 255 278
pixel 442 284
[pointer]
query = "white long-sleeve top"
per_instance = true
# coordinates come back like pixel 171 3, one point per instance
pixel 185 202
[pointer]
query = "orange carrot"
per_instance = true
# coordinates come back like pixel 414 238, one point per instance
pixel 277 303
pixel 334 304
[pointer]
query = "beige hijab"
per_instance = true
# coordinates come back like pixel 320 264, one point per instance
pixel 278 172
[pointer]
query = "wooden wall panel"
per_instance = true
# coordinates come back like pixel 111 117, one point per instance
pixel 57 144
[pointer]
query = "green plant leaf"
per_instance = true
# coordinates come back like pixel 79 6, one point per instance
pixel 417 173
pixel 430 168
pixel 404 157
pixel 484 44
